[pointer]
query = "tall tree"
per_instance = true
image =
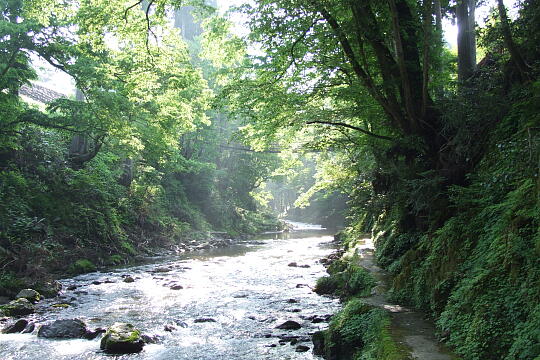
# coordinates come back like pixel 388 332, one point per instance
pixel 466 38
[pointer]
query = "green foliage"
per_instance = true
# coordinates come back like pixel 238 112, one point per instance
pixel 128 248
pixel 82 266
pixel 116 259
pixel 380 343
pixel 346 280
pixel 10 283
pixel 328 285
pixel 345 336
pixel 152 171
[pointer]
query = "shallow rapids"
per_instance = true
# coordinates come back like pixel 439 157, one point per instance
pixel 228 306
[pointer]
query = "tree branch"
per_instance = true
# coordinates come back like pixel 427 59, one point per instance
pixel 10 62
pixel 349 53
pixel 148 26
pixel 129 8
pixel 352 127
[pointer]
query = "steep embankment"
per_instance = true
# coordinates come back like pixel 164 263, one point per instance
pixel 478 274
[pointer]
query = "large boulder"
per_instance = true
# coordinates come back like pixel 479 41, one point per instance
pixel 19 307
pixel 122 338
pixel 63 329
pixel 15 327
pixel 29 294
pixel 49 289
pixel 289 325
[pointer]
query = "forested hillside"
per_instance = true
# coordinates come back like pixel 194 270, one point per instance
pixel 137 160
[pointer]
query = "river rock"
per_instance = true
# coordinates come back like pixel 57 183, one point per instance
pixel 71 287
pixel 169 328
pixel 15 327
pixel 176 287
pixel 288 338
pixel 29 294
pixel 289 325
pixel 293 264
pixel 29 328
pixel 203 320
pixel 293 301
pixel 318 343
pixel 181 323
pixel 63 329
pixel 302 348
pixel 203 246
pixel 19 307
pixel 128 279
pixel 50 288
pixel 122 338
pixel 150 339
pixel 161 269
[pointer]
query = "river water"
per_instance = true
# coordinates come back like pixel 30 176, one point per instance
pixel 246 289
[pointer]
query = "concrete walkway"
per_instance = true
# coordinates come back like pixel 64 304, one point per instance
pixel 408 327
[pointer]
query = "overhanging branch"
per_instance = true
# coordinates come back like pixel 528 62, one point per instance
pixel 352 127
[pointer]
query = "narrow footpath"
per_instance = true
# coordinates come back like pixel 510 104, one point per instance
pixel 408 327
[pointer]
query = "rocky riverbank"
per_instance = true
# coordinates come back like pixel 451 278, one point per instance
pixel 254 292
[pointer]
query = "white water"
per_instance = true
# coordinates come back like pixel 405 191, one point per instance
pixel 244 288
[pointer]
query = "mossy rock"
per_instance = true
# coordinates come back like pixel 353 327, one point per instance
pixel 48 289
pixel 19 307
pixel 60 306
pixel 29 294
pixel 122 338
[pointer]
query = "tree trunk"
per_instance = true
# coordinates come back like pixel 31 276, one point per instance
pixel 466 39
pixel 438 16
pixel 510 44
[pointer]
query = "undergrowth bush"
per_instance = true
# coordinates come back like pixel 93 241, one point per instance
pixel 82 266
pixel 359 332
pixel 346 280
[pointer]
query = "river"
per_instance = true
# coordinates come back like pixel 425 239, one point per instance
pixel 244 291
